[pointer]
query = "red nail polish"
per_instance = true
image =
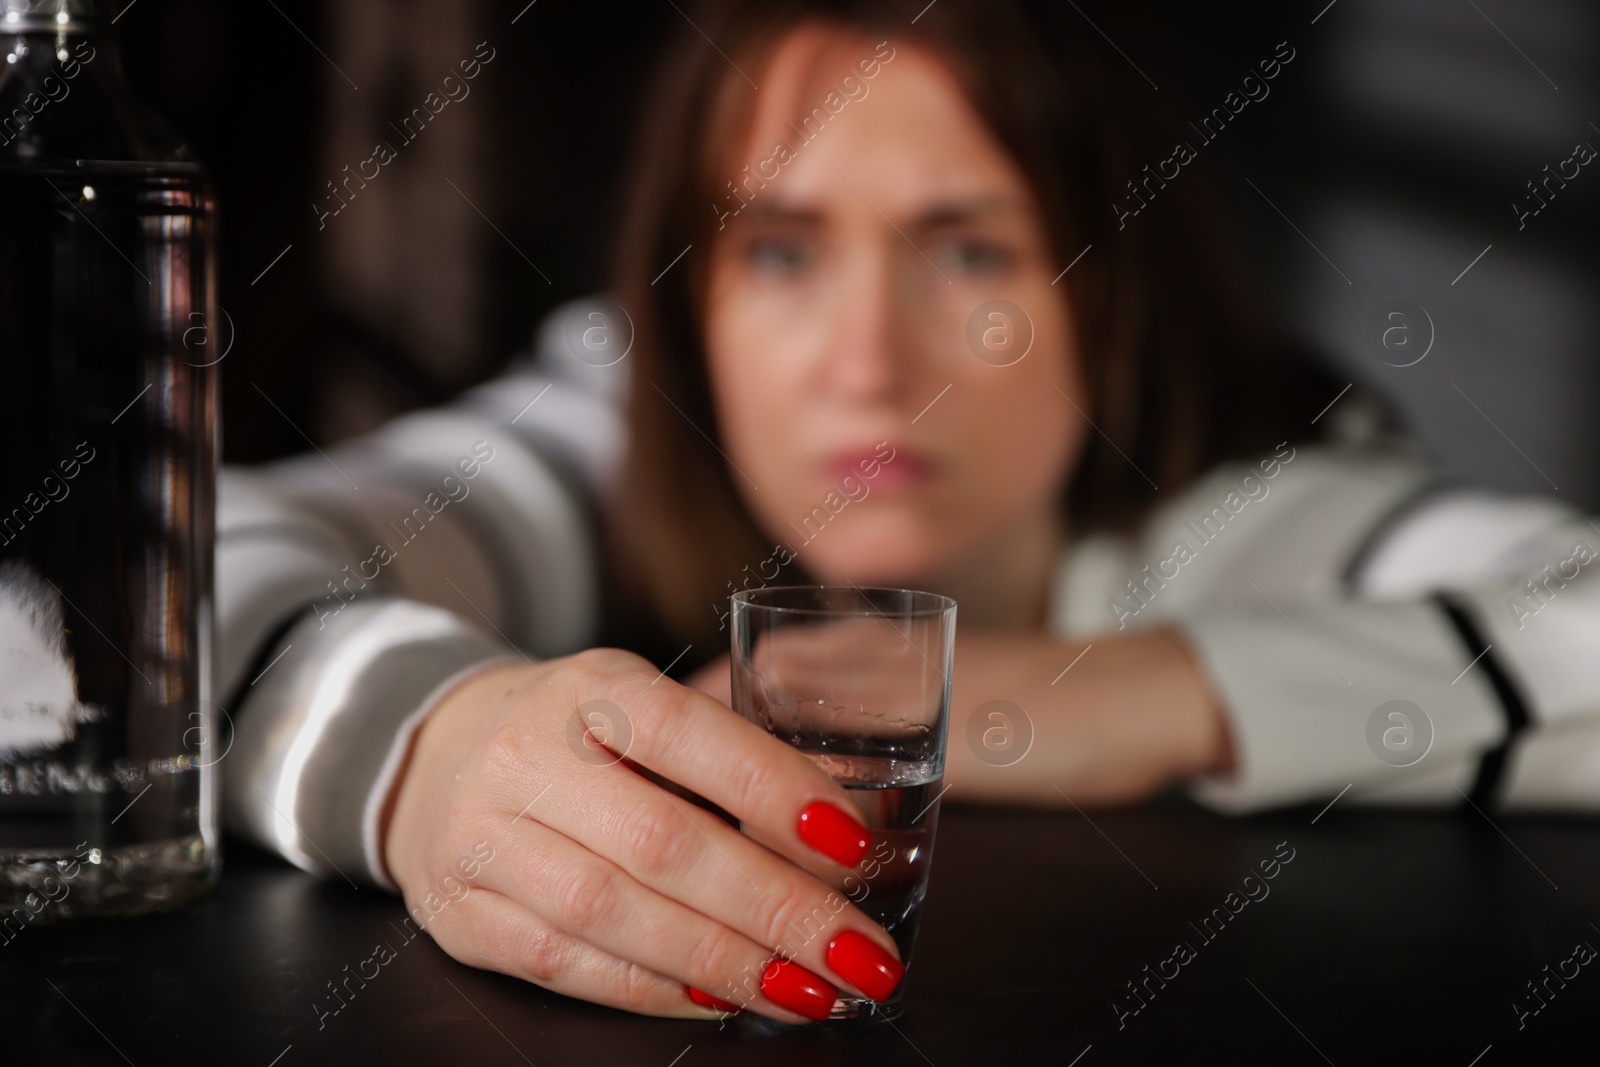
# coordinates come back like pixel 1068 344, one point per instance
pixel 860 961
pixel 833 833
pixel 791 986
pixel 706 1000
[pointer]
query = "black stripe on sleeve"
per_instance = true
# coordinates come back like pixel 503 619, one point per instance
pixel 1379 533
pixel 263 656
pixel 1491 770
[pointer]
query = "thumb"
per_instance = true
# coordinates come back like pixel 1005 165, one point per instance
pixel 713 680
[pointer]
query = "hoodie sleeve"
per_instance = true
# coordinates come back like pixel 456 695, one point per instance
pixel 359 583
pixel 1408 642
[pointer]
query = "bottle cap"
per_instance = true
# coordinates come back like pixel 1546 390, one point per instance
pixel 62 16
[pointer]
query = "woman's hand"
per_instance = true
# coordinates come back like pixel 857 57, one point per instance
pixel 1132 716
pixel 531 849
pixel 714 680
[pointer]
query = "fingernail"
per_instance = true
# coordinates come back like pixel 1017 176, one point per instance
pixel 833 833
pixel 706 1000
pixel 863 963
pixel 791 986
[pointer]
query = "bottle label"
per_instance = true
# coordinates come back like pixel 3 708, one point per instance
pixel 39 708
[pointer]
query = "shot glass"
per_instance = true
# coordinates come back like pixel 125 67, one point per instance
pixel 859 680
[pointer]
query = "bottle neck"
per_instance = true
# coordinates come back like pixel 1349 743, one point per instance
pixel 62 93
pixel 33 55
pixel 67 17
pixel 38 34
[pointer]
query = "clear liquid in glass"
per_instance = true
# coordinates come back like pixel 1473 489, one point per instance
pixel 896 783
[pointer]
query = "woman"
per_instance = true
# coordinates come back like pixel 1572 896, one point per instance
pixel 883 317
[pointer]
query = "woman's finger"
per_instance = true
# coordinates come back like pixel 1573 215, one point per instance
pixel 713 680
pixel 689 855
pixel 591 898
pixel 775 790
pixel 494 932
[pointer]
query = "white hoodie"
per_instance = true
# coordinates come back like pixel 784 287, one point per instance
pixel 1367 628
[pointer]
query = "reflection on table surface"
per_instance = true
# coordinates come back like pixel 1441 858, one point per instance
pixel 1158 935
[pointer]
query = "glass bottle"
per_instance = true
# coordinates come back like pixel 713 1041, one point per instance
pixel 109 438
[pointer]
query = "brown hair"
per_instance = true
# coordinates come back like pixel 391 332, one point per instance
pixel 1180 371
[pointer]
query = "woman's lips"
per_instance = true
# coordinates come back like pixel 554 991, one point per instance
pixel 902 471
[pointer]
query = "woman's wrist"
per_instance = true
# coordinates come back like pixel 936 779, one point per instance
pixel 469 695
pixel 1203 740
pixel 1153 709
pixel 1131 715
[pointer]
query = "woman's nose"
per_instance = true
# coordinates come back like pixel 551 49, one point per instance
pixel 868 358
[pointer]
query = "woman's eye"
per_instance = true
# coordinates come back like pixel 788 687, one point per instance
pixel 976 257
pixel 780 255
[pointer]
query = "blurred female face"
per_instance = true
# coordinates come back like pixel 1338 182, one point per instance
pixel 867 430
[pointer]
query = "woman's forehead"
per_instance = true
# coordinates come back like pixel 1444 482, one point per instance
pixel 831 102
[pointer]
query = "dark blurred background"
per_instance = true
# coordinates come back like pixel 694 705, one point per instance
pixel 1383 166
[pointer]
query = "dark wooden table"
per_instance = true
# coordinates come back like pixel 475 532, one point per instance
pixel 1387 938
